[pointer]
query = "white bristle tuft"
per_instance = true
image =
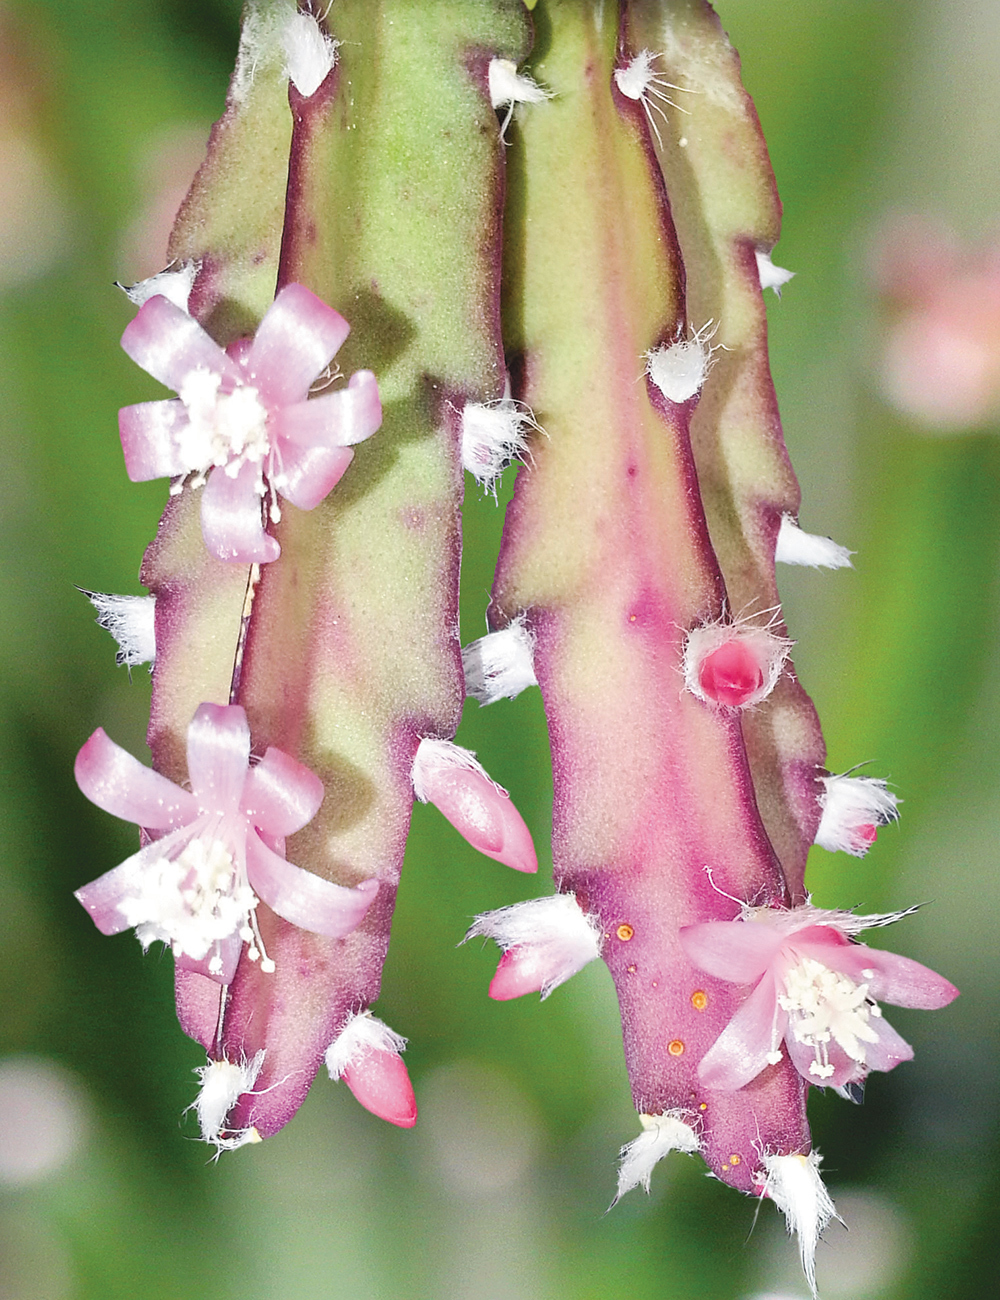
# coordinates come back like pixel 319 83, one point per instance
pixel 363 1032
pixel 661 1134
pixel 493 434
pixel 310 54
pixel 222 1085
pixel 508 87
pixel 559 935
pixel 771 276
pixel 679 369
pixel 852 805
pixel 797 547
pixel 130 620
pixel 500 665
pixel 794 1184
pixel 174 283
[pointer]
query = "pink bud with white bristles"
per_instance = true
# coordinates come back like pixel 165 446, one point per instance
pixel 544 940
pixel 480 810
pixel 366 1055
pixel 735 665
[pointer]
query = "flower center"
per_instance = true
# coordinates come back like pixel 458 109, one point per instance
pixel 825 1006
pixel 227 429
pixel 192 901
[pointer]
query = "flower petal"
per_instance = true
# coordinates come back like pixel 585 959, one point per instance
pixel 218 752
pixel 309 474
pixel 741 1050
pixel 845 1068
pixel 110 777
pixel 102 896
pixel 169 344
pixel 304 898
pixel 227 951
pixel 280 794
pixel 231 518
pixel 738 951
pixel 298 336
pixel 896 979
pixel 337 419
pixel 148 433
pixel 890 1049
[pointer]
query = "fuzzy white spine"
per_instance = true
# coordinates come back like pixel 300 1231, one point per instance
pixel 310 55
pixel 661 1134
pixel 174 284
pixel 771 276
pixel 493 434
pixel 222 1083
pixel 508 86
pixel 501 664
pixel 130 620
pixel 363 1032
pixel 679 369
pixel 433 756
pixel 555 933
pixel 797 547
pixel 849 803
pixel 794 1184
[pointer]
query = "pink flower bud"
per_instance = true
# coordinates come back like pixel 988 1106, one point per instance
pixel 366 1055
pixel 735 665
pixel 480 810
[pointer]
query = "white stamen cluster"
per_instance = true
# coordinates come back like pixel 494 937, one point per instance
pixel 362 1033
pixel 797 547
pixel 226 429
pixel 824 1006
pixel 851 806
pixel 553 934
pixel 794 1185
pixel 222 1083
pixel 130 620
pixel 679 369
pixel 493 434
pixel 638 80
pixel 661 1134
pixel 192 900
pixel 500 665
pixel 310 54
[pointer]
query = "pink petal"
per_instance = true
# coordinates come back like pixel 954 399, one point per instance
pixel 231 518
pixel 298 336
pixel 309 474
pixel 304 898
pixel 741 1050
pixel 110 777
pixel 227 950
pixel 483 814
pixel 334 419
pixel 148 433
pixel 169 344
pixel 280 794
pixel 890 1049
pixel 102 896
pixel 738 951
pixel 380 1082
pixel 845 1068
pixel 218 753
pixel 898 980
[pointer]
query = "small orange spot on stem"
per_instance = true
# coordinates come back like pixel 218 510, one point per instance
pixel 699 999
pixel 625 932
pixel 675 1047
pixel 735 1160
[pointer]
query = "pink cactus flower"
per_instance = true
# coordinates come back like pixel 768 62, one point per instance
pixel 219 847
pixel 242 424
pixel 814 988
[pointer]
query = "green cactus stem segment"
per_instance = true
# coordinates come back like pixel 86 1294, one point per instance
pixel 607 549
pixel 725 207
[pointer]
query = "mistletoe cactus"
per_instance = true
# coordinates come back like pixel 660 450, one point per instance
pixel 565 267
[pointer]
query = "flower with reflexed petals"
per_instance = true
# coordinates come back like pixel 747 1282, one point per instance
pixel 220 847
pixel 814 988
pixel 241 423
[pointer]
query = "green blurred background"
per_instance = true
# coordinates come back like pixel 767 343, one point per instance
pixel 869 106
